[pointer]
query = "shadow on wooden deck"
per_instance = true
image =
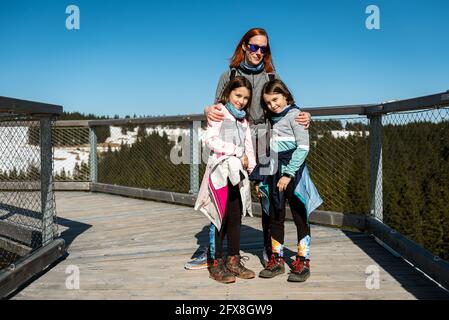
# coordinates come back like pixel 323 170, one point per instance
pixel 136 249
pixel 72 231
pixel 404 273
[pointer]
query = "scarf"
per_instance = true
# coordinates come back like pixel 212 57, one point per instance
pixel 248 69
pixel 238 114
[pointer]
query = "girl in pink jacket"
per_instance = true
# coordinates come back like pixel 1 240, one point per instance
pixel 221 193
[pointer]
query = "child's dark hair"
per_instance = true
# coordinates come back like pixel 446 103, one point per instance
pixel 237 82
pixel 273 87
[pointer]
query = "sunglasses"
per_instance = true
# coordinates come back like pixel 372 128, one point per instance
pixel 255 48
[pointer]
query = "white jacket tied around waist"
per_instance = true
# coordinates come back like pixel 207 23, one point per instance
pixel 228 141
pixel 212 196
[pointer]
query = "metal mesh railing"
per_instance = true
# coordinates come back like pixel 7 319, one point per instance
pixel 416 176
pixel 391 165
pixel 22 222
pixel 157 157
pixel 71 153
pixel 149 156
pixel 339 163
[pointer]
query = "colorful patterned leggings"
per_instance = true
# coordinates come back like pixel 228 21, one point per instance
pixel 277 230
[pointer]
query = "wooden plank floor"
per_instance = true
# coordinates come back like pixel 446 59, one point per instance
pixel 135 249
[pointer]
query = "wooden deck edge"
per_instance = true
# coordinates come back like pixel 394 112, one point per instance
pixel 330 218
pixel 338 219
pixel 72 186
pixel 14 247
pixel 20 233
pixel 157 195
pixel 30 266
pixel 36 186
pixel 435 267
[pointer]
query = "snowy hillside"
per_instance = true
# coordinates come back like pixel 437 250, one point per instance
pixel 17 153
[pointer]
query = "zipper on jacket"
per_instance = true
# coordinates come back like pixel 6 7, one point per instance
pixel 238 132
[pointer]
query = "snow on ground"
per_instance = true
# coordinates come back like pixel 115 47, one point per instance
pixel 346 133
pixel 17 153
pixel 66 158
pixel 173 134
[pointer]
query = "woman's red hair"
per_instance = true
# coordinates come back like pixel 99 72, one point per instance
pixel 239 54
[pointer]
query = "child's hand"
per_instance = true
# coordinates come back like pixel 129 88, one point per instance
pixel 214 113
pixel 245 161
pixel 259 194
pixel 303 119
pixel 283 183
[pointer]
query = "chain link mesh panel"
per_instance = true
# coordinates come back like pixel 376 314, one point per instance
pixel 415 166
pixel 376 170
pixel 21 216
pixel 416 176
pixel 339 162
pixel 146 156
pixel 72 150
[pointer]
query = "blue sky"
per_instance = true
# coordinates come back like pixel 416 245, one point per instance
pixel 165 57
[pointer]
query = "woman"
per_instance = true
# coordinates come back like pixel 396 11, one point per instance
pixel 252 59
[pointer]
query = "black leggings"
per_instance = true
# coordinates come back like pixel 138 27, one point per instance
pixel 266 231
pixel 277 217
pixel 231 224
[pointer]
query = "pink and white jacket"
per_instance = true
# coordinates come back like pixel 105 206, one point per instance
pixel 228 141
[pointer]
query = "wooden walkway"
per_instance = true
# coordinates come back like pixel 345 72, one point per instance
pixel 135 249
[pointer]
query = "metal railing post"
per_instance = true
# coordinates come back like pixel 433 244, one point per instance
pixel 194 157
pixel 376 192
pixel 47 196
pixel 93 154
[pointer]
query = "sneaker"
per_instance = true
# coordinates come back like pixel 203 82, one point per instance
pixel 235 266
pixel 218 271
pixel 300 270
pixel 275 266
pixel 199 262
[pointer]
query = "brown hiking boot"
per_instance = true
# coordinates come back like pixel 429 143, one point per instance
pixel 218 271
pixel 300 270
pixel 275 266
pixel 235 266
